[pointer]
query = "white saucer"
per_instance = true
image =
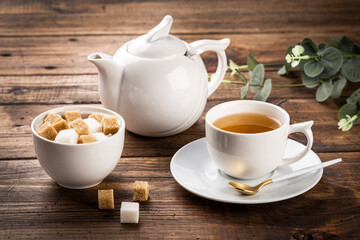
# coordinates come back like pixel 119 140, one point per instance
pixel 193 169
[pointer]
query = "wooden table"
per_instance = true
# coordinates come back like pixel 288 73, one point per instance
pixel 43 65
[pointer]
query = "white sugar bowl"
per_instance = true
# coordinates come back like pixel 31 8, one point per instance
pixel 78 166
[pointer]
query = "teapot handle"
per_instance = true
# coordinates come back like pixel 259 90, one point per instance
pixel 219 47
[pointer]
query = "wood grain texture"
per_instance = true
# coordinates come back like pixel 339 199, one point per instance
pixel 23 18
pixel 52 211
pixel 61 55
pixel 83 89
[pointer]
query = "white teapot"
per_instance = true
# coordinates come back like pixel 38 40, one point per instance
pixel 157 82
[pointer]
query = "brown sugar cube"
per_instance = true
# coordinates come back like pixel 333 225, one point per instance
pixel 80 126
pixel 106 199
pixel 109 125
pixel 86 139
pixel 141 191
pixel 61 125
pixel 52 118
pixel 47 131
pixel 72 115
pixel 98 117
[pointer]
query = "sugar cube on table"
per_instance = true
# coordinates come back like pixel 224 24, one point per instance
pixel 110 125
pixel 52 118
pixel 86 139
pixel 80 126
pixel 94 125
pixel 106 199
pixel 61 125
pixel 72 115
pixel 129 212
pixel 47 131
pixel 67 136
pixel 140 191
pixel 99 136
pixel 97 116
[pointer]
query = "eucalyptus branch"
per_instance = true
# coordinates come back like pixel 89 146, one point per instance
pixel 327 67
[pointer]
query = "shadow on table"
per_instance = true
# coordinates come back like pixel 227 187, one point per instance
pixel 325 204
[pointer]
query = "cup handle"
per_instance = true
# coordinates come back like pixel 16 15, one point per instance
pixel 219 47
pixel 304 128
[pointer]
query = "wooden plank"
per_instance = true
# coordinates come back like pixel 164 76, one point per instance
pixel 19 7
pixel 63 55
pixel 74 89
pixel 16 141
pixel 127 17
pixel 33 205
pixel 51 89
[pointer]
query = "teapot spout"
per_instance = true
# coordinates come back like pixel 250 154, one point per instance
pixel 110 78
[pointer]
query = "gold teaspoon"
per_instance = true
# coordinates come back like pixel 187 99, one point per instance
pixel 249 190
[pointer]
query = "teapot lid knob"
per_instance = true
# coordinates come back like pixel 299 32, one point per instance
pixel 160 31
pixel 158 43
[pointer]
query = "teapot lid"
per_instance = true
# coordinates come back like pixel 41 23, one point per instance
pixel 158 43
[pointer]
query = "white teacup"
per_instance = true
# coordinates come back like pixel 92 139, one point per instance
pixel 249 156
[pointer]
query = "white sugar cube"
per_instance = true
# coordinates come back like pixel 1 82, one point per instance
pixel 94 125
pixel 67 136
pixel 129 212
pixel 99 136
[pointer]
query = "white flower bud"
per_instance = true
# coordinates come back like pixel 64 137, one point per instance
pixel 299 50
pixel 288 58
pixel 295 63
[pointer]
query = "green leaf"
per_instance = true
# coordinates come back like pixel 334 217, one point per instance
pixel 244 91
pixel 324 91
pixel 348 109
pixel 251 62
pixel 310 47
pixel 356 49
pixel 332 61
pixel 257 77
pixel 343 43
pixel 307 80
pixel 233 66
pixel 301 64
pixel 351 69
pixel 282 70
pixel 321 47
pixel 313 68
pixel 354 98
pixel 338 87
pixel 264 93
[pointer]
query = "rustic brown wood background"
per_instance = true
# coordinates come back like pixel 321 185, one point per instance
pixel 43 50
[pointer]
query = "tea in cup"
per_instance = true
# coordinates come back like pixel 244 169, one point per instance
pixel 247 139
